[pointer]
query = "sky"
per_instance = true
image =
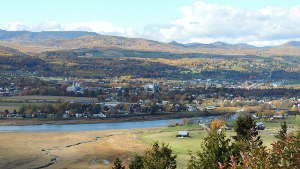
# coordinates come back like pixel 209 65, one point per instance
pixel 257 22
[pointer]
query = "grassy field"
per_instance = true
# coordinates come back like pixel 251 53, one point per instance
pixel 73 150
pixel 15 102
pixel 292 121
pixel 27 98
pixel 78 150
pixel 183 147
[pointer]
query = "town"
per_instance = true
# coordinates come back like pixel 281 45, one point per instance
pixel 65 98
pixel 160 84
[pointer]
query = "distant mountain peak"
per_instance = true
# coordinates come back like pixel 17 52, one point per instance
pixel 41 36
pixel 219 43
pixel 210 45
pixel 293 43
pixel 175 43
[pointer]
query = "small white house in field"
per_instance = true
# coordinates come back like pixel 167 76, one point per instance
pixel 183 134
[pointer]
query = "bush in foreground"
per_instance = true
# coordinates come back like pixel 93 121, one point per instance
pixel 158 157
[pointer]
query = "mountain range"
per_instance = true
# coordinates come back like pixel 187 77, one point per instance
pixel 37 42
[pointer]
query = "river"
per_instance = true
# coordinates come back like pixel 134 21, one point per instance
pixel 99 126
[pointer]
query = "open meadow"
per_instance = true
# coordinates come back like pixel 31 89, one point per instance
pixel 97 149
pixel 15 102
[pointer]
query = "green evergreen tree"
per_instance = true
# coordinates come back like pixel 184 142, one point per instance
pixel 246 138
pixel 159 157
pixel 216 150
pixel 282 132
pixel 136 162
pixel 118 164
pixel 245 128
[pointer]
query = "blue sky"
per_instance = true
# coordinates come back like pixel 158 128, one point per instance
pixel 120 12
pixel 258 22
pixel 135 13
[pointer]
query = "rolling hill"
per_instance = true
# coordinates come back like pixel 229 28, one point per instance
pixel 36 42
pixel 6 51
pixel 90 55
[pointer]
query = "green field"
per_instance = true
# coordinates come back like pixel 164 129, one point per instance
pixel 182 147
pixel 28 98
pixel 15 102
pixel 292 121
pixel 11 106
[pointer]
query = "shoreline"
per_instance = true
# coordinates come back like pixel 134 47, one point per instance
pixel 29 122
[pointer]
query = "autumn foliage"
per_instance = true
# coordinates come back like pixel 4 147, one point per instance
pixel 217 124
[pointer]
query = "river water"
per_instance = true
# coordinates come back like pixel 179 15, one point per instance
pixel 99 126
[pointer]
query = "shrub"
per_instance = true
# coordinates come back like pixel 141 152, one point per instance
pixel 118 164
pixel 159 157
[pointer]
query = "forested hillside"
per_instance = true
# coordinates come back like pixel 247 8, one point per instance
pixel 86 54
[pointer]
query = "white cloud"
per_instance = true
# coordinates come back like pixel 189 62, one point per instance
pixel 96 26
pixel 206 23
pixel 15 26
pixel 200 22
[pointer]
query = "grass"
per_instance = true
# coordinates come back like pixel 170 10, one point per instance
pixel 182 147
pixel 23 150
pixel 24 98
pixel 16 147
pixel 178 128
pixel 11 106
pixel 292 121
pixel 15 102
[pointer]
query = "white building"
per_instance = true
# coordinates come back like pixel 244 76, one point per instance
pixel 75 88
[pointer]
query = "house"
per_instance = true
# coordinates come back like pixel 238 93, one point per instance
pixel 191 108
pixel 200 108
pixel 41 115
pixel 78 115
pixel 254 116
pixel 99 115
pixel 278 116
pixel 260 126
pixel 164 102
pixel 152 88
pixel 183 134
pixel 123 112
pixel 3 115
pixel 51 116
pixel 211 107
pixel 75 88
pixel 66 116
pixel 82 101
pixel 28 115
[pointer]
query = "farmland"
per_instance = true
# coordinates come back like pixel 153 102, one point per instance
pixel 14 103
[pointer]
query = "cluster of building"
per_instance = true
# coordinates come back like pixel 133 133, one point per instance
pixel 121 97
pixel 249 84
